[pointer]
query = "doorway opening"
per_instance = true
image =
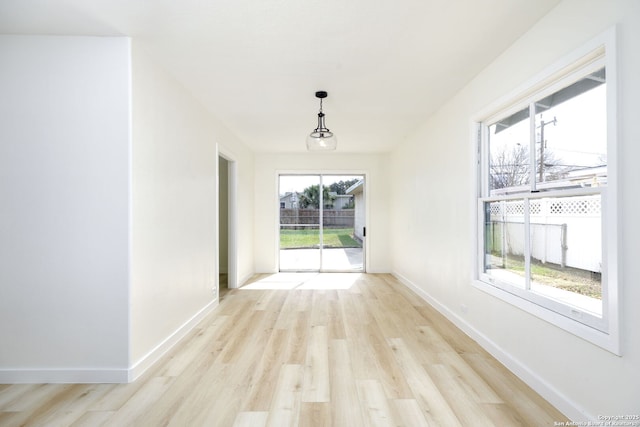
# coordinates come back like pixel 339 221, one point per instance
pixel 322 222
pixel 227 225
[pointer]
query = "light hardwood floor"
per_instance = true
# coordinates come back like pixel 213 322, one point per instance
pixel 322 350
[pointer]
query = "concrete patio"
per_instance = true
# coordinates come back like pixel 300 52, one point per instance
pixel 333 259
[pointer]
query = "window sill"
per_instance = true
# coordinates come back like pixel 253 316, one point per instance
pixel 607 341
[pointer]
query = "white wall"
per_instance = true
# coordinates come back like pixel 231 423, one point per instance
pixel 433 240
pixel 267 167
pixel 109 209
pixel 64 210
pixel 174 208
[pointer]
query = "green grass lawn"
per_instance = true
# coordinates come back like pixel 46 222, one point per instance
pixel 308 238
pixel 570 279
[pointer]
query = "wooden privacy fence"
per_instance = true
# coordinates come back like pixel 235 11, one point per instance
pixel 341 218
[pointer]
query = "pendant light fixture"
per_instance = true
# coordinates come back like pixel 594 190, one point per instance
pixel 321 138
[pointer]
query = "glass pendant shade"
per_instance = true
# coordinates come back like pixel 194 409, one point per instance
pixel 321 138
pixel 321 143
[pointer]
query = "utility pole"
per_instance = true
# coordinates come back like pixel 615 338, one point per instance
pixel 542 143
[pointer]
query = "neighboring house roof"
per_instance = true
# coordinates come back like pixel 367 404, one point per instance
pixel 591 176
pixel 356 188
pixel 293 196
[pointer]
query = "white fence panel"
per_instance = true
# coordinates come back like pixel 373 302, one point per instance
pixel 564 231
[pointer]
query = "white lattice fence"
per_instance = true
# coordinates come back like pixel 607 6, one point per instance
pixel 564 231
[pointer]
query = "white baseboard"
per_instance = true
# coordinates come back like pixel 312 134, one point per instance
pixel 161 349
pixel 88 376
pixel 533 380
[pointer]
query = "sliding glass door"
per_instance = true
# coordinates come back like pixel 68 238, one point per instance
pixel 322 222
pixel 299 223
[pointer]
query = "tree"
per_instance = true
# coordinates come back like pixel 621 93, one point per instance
pixel 341 187
pixel 310 197
pixel 510 167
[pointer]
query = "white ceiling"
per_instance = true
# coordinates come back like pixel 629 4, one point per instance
pixel 256 64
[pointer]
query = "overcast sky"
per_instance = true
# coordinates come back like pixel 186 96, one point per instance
pixel 579 136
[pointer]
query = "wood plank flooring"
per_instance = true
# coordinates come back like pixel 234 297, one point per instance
pixel 303 350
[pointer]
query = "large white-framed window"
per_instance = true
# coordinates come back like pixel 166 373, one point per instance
pixel 547 196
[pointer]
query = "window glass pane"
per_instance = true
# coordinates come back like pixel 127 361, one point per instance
pixel 299 222
pixel 504 241
pixel 571 135
pixel 566 250
pixel 509 152
pixel 543 175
